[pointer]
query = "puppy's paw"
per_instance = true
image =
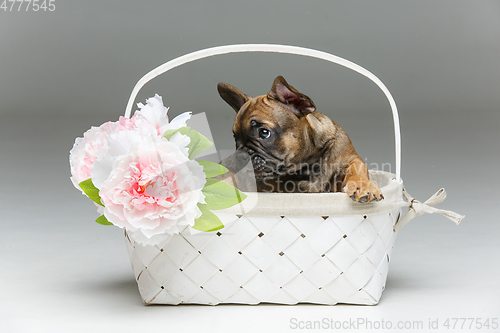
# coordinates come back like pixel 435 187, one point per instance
pixel 362 190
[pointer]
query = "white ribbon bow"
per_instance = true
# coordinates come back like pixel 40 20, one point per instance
pixel 417 208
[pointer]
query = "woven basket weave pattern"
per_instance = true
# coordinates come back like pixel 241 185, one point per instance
pixel 283 259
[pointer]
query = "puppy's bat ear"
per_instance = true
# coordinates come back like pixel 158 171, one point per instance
pixel 286 94
pixel 232 96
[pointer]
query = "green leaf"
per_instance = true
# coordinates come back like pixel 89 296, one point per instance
pixel 103 220
pixel 198 143
pixel 212 169
pixel 208 221
pixel 220 195
pixel 169 133
pixel 93 192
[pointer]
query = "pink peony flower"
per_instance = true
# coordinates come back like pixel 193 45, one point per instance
pixel 147 183
pixel 153 189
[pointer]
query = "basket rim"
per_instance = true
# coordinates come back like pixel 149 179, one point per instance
pixel 322 204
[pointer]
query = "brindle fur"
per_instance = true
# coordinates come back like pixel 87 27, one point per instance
pixel 305 152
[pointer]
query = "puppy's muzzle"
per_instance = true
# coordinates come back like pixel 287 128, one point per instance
pixel 263 166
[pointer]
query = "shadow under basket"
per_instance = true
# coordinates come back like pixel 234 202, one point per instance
pixel 284 248
pixel 277 252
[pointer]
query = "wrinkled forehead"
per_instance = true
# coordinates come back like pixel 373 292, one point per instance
pixel 266 112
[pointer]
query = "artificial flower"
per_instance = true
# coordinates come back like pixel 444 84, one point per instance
pixel 150 119
pixel 154 189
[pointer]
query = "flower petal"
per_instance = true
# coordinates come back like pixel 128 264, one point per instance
pixel 179 121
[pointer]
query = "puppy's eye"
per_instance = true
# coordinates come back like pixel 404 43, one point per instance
pixel 264 133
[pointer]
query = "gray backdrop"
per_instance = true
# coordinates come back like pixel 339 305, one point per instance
pixel 64 71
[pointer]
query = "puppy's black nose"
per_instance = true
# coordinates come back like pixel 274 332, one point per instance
pixel 258 162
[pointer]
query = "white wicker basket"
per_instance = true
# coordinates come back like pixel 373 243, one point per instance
pixel 284 248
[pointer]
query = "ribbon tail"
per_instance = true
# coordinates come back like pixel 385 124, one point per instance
pixel 457 218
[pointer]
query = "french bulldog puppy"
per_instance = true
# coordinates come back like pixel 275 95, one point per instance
pixel 292 147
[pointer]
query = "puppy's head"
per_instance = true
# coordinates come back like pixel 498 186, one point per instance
pixel 278 130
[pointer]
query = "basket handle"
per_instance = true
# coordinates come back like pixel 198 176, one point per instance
pixel 274 48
